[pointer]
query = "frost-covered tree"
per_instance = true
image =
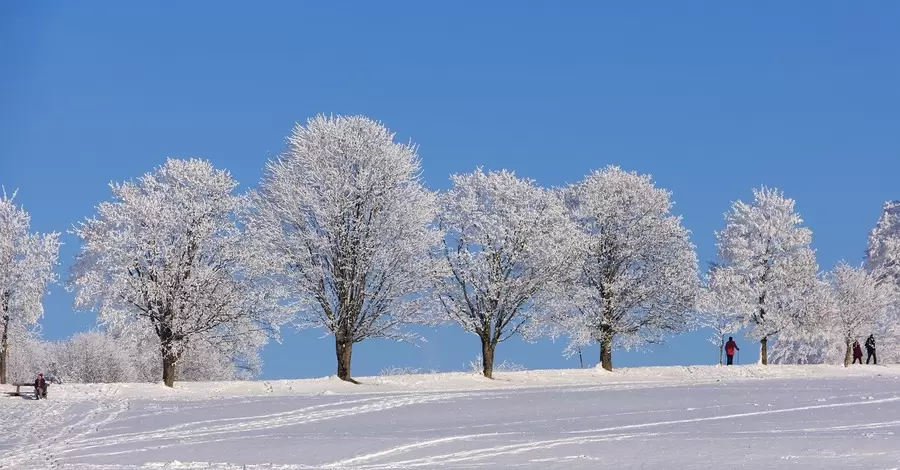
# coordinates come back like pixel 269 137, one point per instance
pixel 507 243
pixel 883 255
pixel 813 340
pixel 348 224
pixel 767 261
pixel 30 356
pixel 637 276
pixel 26 269
pixel 859 302
pixel 715 311
pixel 201 360
pixel 93 357
pixel 168 252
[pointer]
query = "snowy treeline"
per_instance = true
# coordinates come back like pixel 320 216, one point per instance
pixel 101 357
pixel 767 281
pixel 189 279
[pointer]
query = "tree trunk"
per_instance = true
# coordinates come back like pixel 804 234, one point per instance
pixel 4 355
pixel 721 351
pixel 4 348
pixel 606 338
pixel 848 356
pixel 169 363
pixel 487 357
pixel 344 351
pixel 763 351
pixel 167 347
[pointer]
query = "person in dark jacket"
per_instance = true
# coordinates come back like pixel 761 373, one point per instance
pixel 40 387
pixel 857 352
pixel 730 347
pixel 870 350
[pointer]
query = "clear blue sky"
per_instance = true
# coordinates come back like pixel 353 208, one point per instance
pixel 712 99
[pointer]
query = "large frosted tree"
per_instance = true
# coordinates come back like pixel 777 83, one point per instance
pixel 508 242
pixel 858 304
pixel 26 269
pixel 883 254
pixel 349 228
pixel 167 253
pixel 883 260
pixel 766 259
pixel 637 276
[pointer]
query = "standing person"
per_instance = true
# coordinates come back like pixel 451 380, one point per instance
pixel 730 347
pixel 40 387
pixel 857 352
pixel 870 350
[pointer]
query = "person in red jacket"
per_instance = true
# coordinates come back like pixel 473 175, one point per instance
pixel 857 352
pixel 730 347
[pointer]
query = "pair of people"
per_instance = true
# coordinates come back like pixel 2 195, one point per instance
pixel 870 349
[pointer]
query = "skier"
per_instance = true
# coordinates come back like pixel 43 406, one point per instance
pixel 40 387
pixel 870 350
pixel 730 346
pixel 857 352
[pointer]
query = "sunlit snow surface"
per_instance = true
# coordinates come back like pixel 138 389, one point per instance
pixel 700 417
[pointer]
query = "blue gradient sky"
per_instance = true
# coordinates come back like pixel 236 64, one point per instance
pixel 710 98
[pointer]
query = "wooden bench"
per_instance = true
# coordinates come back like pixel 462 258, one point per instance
pixel 18 391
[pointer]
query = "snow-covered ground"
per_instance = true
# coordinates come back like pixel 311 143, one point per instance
pixel 656 417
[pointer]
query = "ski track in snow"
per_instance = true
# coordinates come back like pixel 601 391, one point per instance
pixel 801 423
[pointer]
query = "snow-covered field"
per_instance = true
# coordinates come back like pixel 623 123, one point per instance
pixel 663 417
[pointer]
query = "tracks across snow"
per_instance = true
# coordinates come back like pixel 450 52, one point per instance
pixel 50 425
pixel 79 437
pixel 581 437
pixel 657 424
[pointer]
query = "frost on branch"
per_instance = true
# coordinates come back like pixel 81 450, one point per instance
pixel 769 267
pixel 859 304
pixel 507 243
pixel 883 259
pixel 167 254
pixel 813 341
pixel 347 223
pixel 26 269
pixel 715 310
pixel 636 276
pixel 883 255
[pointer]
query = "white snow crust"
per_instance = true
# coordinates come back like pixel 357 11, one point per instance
pixel 653 417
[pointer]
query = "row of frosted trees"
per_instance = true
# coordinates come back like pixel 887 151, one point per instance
pixel 342 235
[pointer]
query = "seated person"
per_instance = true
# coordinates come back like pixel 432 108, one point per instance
pixel 40 387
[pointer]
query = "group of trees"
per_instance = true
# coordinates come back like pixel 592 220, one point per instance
pixel 106 357
pixel 767 279
pixel 342 235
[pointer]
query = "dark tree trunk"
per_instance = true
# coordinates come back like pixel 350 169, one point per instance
pixel 4 354
pixel 606 338
pixel 487 357
pixel 169 363
pixel 4 349
pixel 170 358
pixel 4 344
pixel 848 356
pixel 170 350
pixel 344 351
pixel 764 351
